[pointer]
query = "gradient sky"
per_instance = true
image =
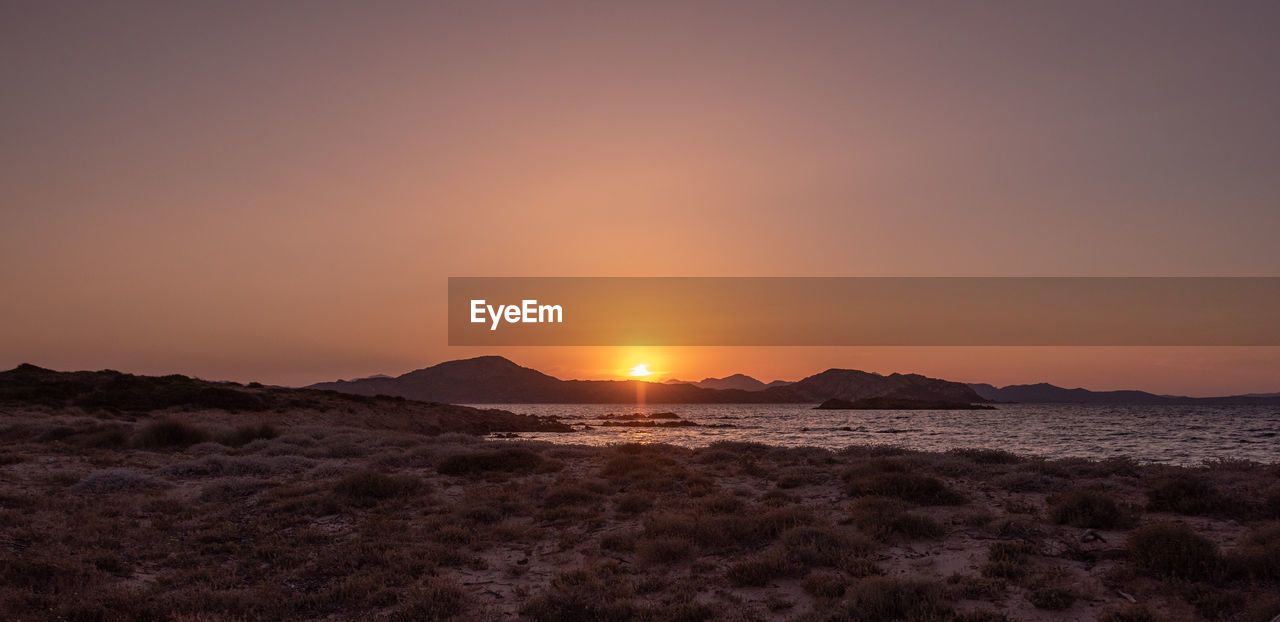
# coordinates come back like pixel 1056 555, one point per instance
pixel 278 191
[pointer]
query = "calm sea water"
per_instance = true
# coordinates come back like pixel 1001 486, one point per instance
pixel 1170 434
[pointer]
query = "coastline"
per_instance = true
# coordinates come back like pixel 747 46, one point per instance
pixel 256 515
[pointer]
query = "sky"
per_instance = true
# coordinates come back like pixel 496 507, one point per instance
pixel 279 191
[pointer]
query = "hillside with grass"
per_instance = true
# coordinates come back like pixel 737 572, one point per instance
pixel 113 399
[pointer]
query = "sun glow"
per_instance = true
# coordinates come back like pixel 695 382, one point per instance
pixel 640 371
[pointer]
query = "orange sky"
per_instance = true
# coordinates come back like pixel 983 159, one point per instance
pixel 279 192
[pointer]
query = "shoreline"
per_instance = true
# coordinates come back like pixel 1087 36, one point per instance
pixel 1182 436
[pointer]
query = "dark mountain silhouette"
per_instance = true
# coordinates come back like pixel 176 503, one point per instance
pixel 738 381
pixel 496 380
pixel 1049 394
pixel 851 384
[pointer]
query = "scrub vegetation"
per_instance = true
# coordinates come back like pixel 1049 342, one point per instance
pixel 342 513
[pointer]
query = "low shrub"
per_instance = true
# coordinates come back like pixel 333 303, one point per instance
pixel 1007 560
pixel 1212 602
pixel 630 460
pixel 1189 495
pixel 825 584
pixel 1026 481
pixel 665 550
pixel 367 488
pixel 811 546
pixel 624 542
pixel 886 518
pixel 1084 468
pixel 505 460
pixel 583 594
pixel 1051 598
pixel 115 480
pixel 1127 613
pixel 750 528
pixel 1265 608
pixel 245 434
pixel 436 598
pixel 102 437
pixel 987 456
pixel 230 490
pixel 882 598
pixel 913 487
pixel 168 434
pixel 237 466
pixel 691 611
pixel 1271 505
pixel 1258 556
pixel 634 502
pixel 1172 550
pixel 722 503
pixel 964 586
pixel 760 570
pixel 1086 508
pixel 569 495
pixel 980 615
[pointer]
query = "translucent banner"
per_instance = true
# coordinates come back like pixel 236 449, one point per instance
pixel 864 311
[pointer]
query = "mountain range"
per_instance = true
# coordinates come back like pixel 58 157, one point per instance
pixel 496 380
pixel 736 381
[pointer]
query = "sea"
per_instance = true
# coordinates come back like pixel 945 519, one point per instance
pixel 1181 435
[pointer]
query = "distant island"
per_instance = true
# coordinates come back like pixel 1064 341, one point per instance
pixel 1045 393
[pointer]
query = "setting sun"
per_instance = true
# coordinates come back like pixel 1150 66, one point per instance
pixel 640 371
